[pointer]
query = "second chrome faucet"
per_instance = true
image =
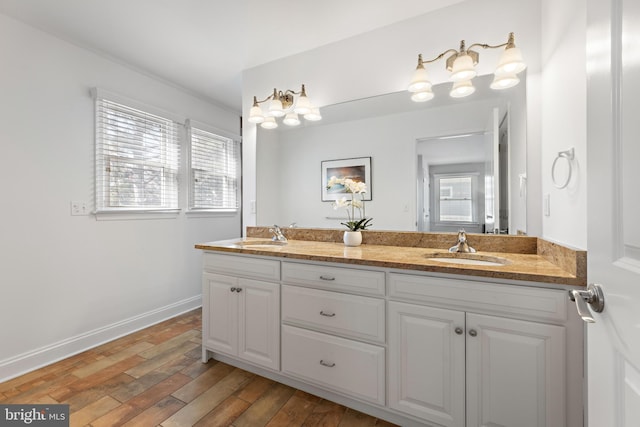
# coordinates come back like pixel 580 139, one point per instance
pixel 462 245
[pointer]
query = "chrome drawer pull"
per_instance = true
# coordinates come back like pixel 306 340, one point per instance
pixel 327 364
pixel 329 278
pixel 322 313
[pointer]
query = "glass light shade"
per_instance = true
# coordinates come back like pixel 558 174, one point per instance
pixel 422 96
pixel 303 106
pixel 504 81
pixel 511 62
pixel 275 108
pixel 269 123
pixel 313 115
pixel 291 119
pixel 462 69
pixel 255 115
pixel 462 89
pixel 420 81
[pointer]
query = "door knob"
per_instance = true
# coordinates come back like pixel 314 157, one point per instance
pixel 592 296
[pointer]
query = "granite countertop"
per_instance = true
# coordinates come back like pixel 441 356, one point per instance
pixel 546 262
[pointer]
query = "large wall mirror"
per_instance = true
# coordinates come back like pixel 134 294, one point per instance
pixel 435 166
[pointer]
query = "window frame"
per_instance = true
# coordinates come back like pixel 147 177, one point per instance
pixel 103 210
pixel 474 199
pixel 189 173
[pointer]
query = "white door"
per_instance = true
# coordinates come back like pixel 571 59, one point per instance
pixel 221 313
pixel 515 374
pixel 426 363
pixel 613 113
pixel 259 322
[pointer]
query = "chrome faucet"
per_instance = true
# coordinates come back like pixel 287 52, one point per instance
pixel 277 234
pixel 462 245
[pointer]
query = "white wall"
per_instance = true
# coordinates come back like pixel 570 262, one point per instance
pixel 71 281
pixel 564 115
pixel 383 60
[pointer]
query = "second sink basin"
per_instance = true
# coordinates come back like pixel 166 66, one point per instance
pixel 467 258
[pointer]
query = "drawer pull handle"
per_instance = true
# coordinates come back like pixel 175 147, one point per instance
pixel 328 278
pixel 327 364
pixel 322 313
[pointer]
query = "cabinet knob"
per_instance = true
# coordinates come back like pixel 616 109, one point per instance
pixel 473 332
pixel 459 330
pixel 327 364
pixel 238 289
pixel 233 289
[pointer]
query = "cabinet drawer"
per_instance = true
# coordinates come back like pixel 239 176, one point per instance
pixel 243 266
pixel 527 302
pixel 334 278
pixel 346 366
pixel 350 315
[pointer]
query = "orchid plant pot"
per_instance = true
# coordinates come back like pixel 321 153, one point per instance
pixel 352 238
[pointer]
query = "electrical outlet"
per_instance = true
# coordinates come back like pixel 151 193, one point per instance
pixel 79 208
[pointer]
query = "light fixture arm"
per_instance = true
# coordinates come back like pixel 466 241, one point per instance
pixel 509 44
pixel 422 62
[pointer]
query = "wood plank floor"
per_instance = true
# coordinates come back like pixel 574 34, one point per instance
pixel 155 377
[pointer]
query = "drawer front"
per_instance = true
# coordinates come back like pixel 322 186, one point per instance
pixel 526 302
pixel 242 265
pixel 349 315
pixel 334 278
pixel 339 364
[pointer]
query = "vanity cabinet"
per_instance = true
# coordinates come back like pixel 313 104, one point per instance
pixel 456 367
pixel 333 331
pixel 241 316
pixel 411 347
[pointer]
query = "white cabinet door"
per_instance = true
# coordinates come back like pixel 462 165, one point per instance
pixel 220 313
pixel 427 363
pixel 259 322
pixel 515 373
pixel 241 318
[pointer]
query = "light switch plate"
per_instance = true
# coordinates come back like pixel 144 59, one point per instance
pixel 79 208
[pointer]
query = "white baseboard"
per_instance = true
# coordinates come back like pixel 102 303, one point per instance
pixel 43 356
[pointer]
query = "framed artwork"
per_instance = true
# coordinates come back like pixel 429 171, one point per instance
pixel 358 169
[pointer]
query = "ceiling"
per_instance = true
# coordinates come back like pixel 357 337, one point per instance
pixel 203 45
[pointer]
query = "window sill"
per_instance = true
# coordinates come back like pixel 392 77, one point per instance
pixel 125 215
pixel 196 213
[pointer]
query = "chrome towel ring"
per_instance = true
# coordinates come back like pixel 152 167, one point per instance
pixel 568 156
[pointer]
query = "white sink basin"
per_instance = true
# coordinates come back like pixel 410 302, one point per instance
pixel 259 243
pixel 467 259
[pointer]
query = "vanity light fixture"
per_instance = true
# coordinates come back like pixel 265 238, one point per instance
pixel 461 63
pixel 283 104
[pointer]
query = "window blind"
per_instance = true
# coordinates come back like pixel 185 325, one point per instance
pixel 214 171
pixel 137 159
